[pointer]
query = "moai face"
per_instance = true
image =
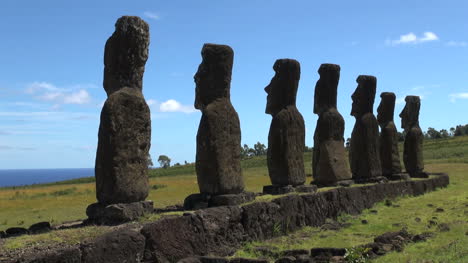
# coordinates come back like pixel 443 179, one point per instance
pixel 282 89
pixel 386 107
pixel 410 114
pixel 364 95
pixel 326 88
pixel 213 78
pixel 125 55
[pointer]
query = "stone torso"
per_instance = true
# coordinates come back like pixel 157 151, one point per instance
pixel 329 163
pixel 412 153
pixel 364 150
pixel 122 154
pixel 389 154
pixel 286 143
pixel 218 150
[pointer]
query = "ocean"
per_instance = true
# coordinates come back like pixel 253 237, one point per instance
pixel 19 177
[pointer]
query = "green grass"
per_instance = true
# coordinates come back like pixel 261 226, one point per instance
pixel 67 201
pixel 451 246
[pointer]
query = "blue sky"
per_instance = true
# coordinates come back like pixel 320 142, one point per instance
pixel 52 66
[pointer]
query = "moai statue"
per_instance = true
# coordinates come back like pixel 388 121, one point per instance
pixel 364 149
pixel 329 164
pixel 286 139
pixel 219 136
pixel 413 147
pixel 124 137
pixel 389 155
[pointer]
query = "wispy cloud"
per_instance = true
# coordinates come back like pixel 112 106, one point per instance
pixel 152 15
pixel 175 106
pixel 48 92
pixel 170 105
pixel 411 38
pixel 10 148
pixel 455 96
pixel 49 115
pixel 457 44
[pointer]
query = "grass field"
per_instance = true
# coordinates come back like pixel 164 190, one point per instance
pixel 67 201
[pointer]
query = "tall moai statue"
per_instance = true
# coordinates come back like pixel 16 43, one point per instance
pixel 286 139
pixel 124 137
pixel 329 164
pixel 413 146
pixel 389 154
pixel 364 153
pixel 218 157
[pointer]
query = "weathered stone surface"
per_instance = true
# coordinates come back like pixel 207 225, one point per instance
pixel 16 231
pixel 124 142
pixel 125 245
pixel 286 139
pixel 125 54
pixel 329 164
pixel 413 146
pixel 201 201
pixel 60 255
pixel 40 227
pixel 280 189
pixel 218 139
pixel 210 231
pixel 364 153
pixel 118 213
pixel 389 154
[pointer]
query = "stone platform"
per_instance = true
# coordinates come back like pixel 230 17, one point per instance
pixel 280 189
pixel 219 231
pixel 117 213
pixel 200 201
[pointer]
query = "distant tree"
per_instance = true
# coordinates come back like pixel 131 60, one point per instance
pixel 177 164
pixel 164 161
pixel 185 162
pixel 452 131
pixel 444 133
pixel 348 143
pixel 246 151
pixel 308 149
pixel 149 161
pixel 433 133
pixel 260 149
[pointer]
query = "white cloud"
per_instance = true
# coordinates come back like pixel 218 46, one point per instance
pixel 151 15
pixel 40 86
pixel 457 44
pixel 48 92
pixel 175 106
pixel 411 38
pixel 463 95
pixel 79 97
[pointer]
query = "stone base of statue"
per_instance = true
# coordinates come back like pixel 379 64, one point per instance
pixel 117 213
pixel 419 175
pixel 371 180
pixel 200 201
pixel 399 177
pixel 282 189
pixel 343 183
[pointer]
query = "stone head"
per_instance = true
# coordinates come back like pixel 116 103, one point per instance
pixel 125 54
pixel 410 114
pixel 282 89
pixel 386 107
pixel 364 95
pixel 213 78
pixel 326 88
